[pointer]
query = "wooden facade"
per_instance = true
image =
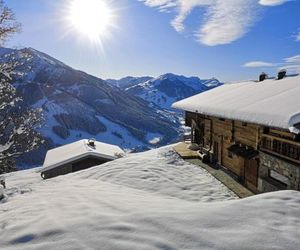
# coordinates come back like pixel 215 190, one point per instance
pixel 236 145
pixel 74 166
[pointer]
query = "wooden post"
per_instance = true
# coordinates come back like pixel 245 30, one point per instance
pixel 2 181
pixel 1 192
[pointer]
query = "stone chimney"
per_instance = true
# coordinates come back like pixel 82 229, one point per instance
pixel 91 142
pixel 281 74
pixel 263 76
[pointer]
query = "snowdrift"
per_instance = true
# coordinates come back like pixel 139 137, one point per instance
pixel 151 200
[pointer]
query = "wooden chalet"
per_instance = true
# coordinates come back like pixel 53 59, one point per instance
pixel 251 129
pixel 78 156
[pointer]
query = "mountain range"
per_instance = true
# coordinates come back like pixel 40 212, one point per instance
pixel 165 89
pixel 133 112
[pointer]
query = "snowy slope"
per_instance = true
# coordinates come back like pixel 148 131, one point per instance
pixel 166 89
pixel 77 106
pixel 151 200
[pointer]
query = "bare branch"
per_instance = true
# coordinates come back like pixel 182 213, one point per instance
pixel 8 23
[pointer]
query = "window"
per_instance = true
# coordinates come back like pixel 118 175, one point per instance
pixel 266 130
pixel 279 177
pixel 244 124
pixel 222 119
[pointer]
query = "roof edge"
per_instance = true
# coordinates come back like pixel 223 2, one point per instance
pixel 294 120
pixel 91 153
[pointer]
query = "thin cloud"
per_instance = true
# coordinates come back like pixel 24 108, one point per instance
pixel 258 64
pixel 298 37
pixel 293 59
pixel 224 21
pixel 291 64
pixel 161 4
pixel 294 69
pixel 272 2
pixel 227 21
pixel 184 9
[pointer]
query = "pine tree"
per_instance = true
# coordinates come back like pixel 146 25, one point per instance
pixel 18 123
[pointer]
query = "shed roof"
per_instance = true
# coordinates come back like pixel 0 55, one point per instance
pixel 274 103
pixel 80 149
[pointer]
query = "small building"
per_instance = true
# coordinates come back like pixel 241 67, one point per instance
pixel 251 129
pixel 77 156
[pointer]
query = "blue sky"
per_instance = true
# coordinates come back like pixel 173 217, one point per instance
pixel 230 40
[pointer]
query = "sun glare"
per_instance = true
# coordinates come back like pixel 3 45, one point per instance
pixel 92 18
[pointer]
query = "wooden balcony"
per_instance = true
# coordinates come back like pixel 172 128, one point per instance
pixel 283 148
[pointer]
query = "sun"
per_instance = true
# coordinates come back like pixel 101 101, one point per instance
pixel 92 18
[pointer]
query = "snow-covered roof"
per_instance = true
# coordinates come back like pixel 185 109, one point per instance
pixel 80 149
pixel 273 103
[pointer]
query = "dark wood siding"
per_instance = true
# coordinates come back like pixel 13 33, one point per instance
pixel 87 163
pixel 75 166
pixel 219 134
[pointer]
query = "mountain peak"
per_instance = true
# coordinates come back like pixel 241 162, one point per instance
pixel 43 57
pixel 165 89
pixel 128 81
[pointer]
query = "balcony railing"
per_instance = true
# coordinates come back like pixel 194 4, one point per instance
pixel 284 148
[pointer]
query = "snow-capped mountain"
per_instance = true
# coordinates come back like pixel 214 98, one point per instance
pixel 129 81
pixel 77 105
pixel 166 89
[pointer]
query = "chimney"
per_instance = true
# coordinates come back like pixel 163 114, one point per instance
pixel 91 142
pixel 263 76
pixel 281 74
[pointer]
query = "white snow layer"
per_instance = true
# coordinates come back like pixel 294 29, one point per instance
pixel 151 200
pixel 272 102
pixel 73 151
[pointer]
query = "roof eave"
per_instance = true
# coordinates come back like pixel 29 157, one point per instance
pixel 291 128
pixel 108 157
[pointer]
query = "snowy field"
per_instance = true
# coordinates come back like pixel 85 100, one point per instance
pixel 151 200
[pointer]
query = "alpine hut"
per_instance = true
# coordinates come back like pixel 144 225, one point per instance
pixel 251 129
pixel 77 156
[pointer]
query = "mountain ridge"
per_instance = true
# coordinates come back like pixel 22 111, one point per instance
pixel 78 105
pixel 165 89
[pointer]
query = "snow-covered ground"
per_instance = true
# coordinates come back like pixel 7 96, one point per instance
pixel 151 200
